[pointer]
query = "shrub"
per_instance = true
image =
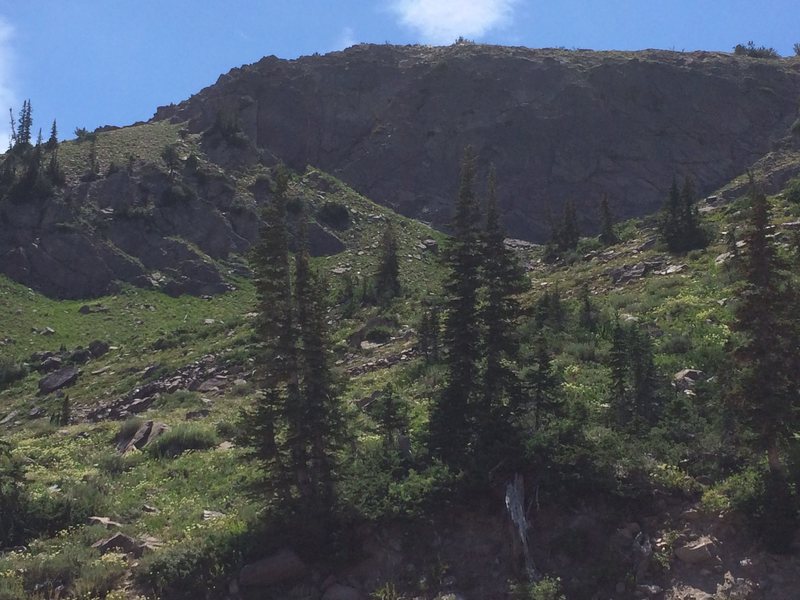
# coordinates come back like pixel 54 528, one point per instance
pixel 753 51
pixel 187 436
pixel 378 334
pixel 73 505
pixel 13 498
pixel 548 588
pixel 676 343
pixel 796 48
pixel 11 371
pixel 202 568
pixel 335 215
pixel 128 428
pixel 178 399
pixel 792 192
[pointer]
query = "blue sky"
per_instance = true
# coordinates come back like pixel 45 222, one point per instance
pixel 94 62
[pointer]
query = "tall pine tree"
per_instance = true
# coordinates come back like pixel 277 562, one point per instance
pixel 766 389
pixel 451 418
pixel 502 280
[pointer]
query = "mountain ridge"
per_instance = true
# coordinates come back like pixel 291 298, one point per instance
pixel 559 125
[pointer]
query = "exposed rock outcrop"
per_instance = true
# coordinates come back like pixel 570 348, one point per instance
pixel 391 121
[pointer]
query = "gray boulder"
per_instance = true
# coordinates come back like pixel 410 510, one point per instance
pixel 55 381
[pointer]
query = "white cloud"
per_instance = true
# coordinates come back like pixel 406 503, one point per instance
pixel 7 95
pixel 346 39
pixel 442 21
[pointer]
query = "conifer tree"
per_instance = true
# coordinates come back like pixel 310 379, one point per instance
pixel 297 424
pixel 541 383
pixel 619 375
pixel 387 279
pixel 429 334
pixel 767 358
pixel 644 378
pixel 52 141
pixel 607 234
pixel 322 426
pixel 681 229
pixel 587 313
pixel 23 136
pixel 391 415
pixel 451 418
pixel 277 372
pixel 502 280
pixel 766 390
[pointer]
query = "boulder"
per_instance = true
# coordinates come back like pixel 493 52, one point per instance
pixel 98 348
pixel 9 417
pixel 105 522
pixel 149 431
pixel 282 566
pixel 51 363
pixel 686 379
pixel 120 542
pixel 697 552
pixel 628 273
pixel 79 356
pixel 57 380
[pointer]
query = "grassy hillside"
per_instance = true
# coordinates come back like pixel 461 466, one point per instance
pixel 187 496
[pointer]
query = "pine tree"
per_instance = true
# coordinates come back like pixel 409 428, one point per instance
pixel 391 415
pixel 541 384
pixel 297 424
pixel 767 358
pixel 766 390
pixel 322 427
pixel 429 334
pixel 502 280
pixel 25 125
pixel 644 378
pixel 587 316
pixel 607 234
pixel 52 141
pixel 451 419
pixel 618 357
pixel 387 279
pixel 681 229
pixel 277 373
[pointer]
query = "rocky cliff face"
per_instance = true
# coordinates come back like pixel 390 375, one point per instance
pixel 392 122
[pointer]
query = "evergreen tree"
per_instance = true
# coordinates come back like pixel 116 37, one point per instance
pixel 681 229
pixel 451 418
pixel 767 358
pixel 277 373
pixel 541 383
pixel 644 378
pixel 25 125
pixel 322 427
pixel 296 425
pixel 502 280
pixel 607 234
pixel 634 379
pixel 387 279
pixel 766 390
pixel 391 415
pixel 429 334
pixel 587 316
pixel 52 141
pixel 619 375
